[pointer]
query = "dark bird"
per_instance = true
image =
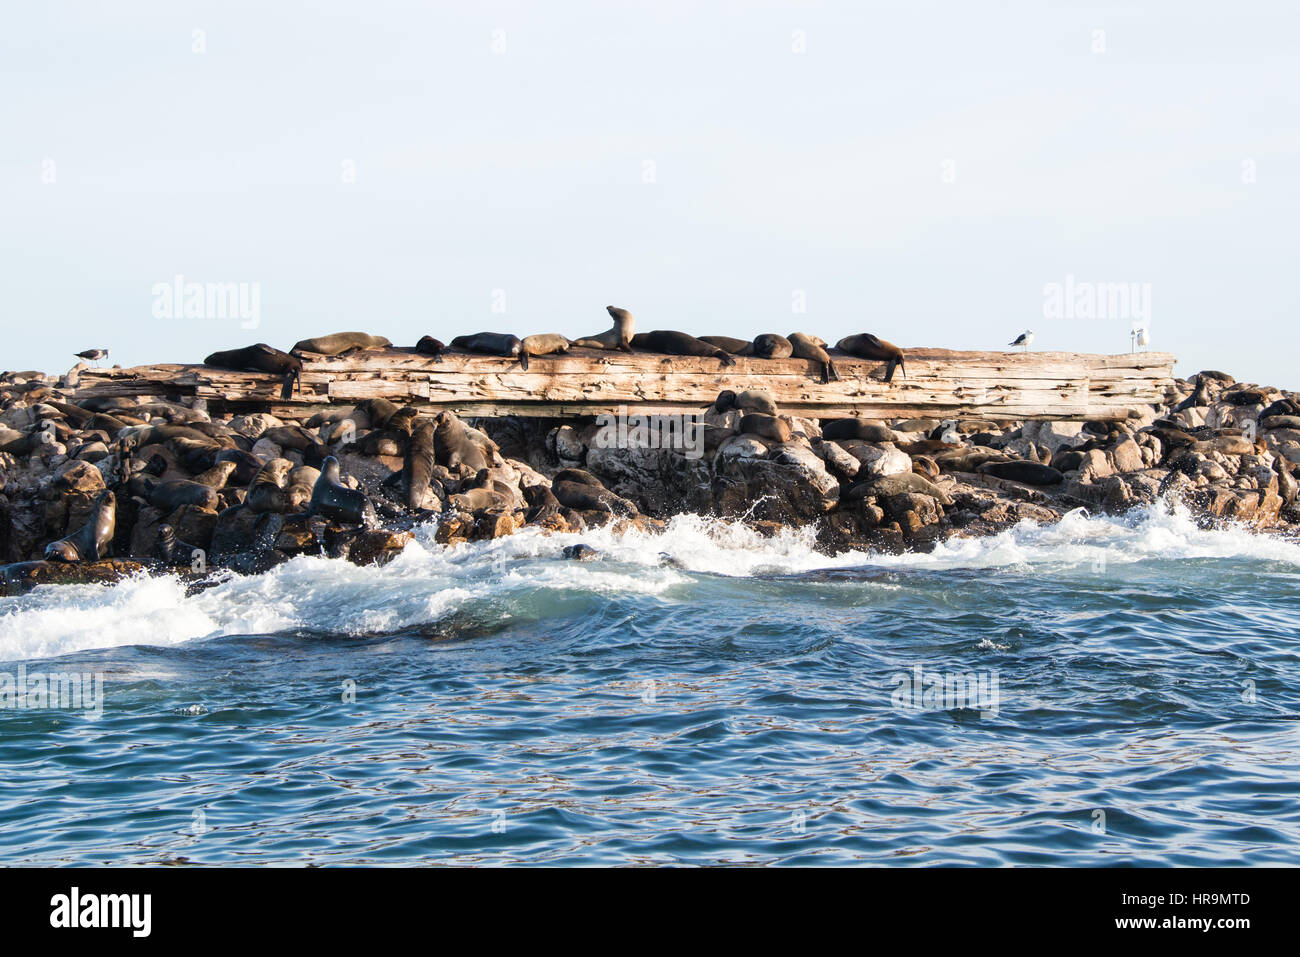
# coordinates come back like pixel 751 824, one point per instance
pixel 1024 339
pixel 92 355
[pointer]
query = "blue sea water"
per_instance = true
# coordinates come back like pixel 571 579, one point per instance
pixel 1112 691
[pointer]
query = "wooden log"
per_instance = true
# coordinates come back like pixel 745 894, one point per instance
pixel 938 383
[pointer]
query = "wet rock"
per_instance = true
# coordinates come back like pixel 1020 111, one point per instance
pixel 377 546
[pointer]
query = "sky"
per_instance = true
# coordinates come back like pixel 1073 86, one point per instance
pixel 927 172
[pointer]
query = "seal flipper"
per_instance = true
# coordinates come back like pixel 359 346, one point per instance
pixel 889 369
pixel 523 361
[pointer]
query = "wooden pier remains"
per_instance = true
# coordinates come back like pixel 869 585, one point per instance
pixel 939 383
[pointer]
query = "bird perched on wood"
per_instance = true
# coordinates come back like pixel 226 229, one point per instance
pixel 92 355
pixel 1024 339
pixel 1141 338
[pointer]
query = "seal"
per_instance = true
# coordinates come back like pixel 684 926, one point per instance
pixel 863 429
pixel 478 500
pixel 266 493
pixel 453 445
pixel 585 497
pixel 581 552
pixel 1023 471
pixel 169 496
pixel 417 466
pixel 218 475
pixel 172 551
pixel 261 358
pixel 618 337
pixel 337 343
pixel 544 344
pixel 331 498
pixel 771 346
pixel 766 426
pixel 673 343
pixel 92 541
pixel 581 476
pixel 810 347
pixel 429 346
pixel 490 343
pixel 737 347
pixel 866 346
pixel 756 400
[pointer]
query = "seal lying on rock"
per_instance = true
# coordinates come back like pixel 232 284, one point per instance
pixel 771 346
pixel 261 358
pixel 339 342
pixel 857 429
pixel 585 497
pixel 1023 471
pixel 673 343
pixel 767 426
pixel 489 343
pixel 172 551
pixel 866 346
pixel 545 344
pixel 92 541
pixel 810 347
pixel 737 347
pixel 618 337
pixel 429 346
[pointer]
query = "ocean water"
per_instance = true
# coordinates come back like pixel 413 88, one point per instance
pixel 1103 691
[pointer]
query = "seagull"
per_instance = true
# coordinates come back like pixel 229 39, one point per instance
pixel 92 355
pixel 1140 336
pixel 1024 339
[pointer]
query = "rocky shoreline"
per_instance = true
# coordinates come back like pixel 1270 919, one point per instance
pixel 195 493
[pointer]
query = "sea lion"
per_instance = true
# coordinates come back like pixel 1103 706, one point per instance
pixel 490 343
pixel 300 485
pixel 590 497
pixel 339 342
pixel 261 358
pixel 673 343
pixel 581 553
pixel 543 344
pixel 810 347
pixel 266 493
pixel 866 346
pixel 429 346
pixel 217 476
pixel 862 429
pixel 169 496
pixel 246 465
pixel 737 347
pixel 1023 471
pixel 478 499
pixel 756 400
pixel 541 501
pixel 331 498
pixel 453 445
pixel 92 541
pixel 417 466
pixel 618 337
pixel 771 346
pixel 767 426
pixel 581 476
pixel 172 551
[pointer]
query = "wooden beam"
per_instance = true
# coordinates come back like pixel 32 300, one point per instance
pixel 938 382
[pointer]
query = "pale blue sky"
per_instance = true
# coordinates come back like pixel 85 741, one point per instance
pixel 774 171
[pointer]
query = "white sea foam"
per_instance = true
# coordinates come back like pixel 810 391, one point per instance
pixel 427 582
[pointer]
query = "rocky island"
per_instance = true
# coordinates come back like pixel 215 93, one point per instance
pixel 195 469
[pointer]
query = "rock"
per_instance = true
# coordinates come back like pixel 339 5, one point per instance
pixel 880 460
pixel 1053 434
pixel 492 525
pixel 78 476
pixel 453 529
pixel 1126 456
pixel 18 578
pixel 898 485
pixel 839 461
pixel 377 546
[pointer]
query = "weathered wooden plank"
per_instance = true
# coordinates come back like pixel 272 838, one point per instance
pixel 938 383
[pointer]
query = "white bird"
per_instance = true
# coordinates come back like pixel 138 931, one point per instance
pixel 1024 339
pixel 1140 336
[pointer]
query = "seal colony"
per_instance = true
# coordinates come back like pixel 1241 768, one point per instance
pixel 93 487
